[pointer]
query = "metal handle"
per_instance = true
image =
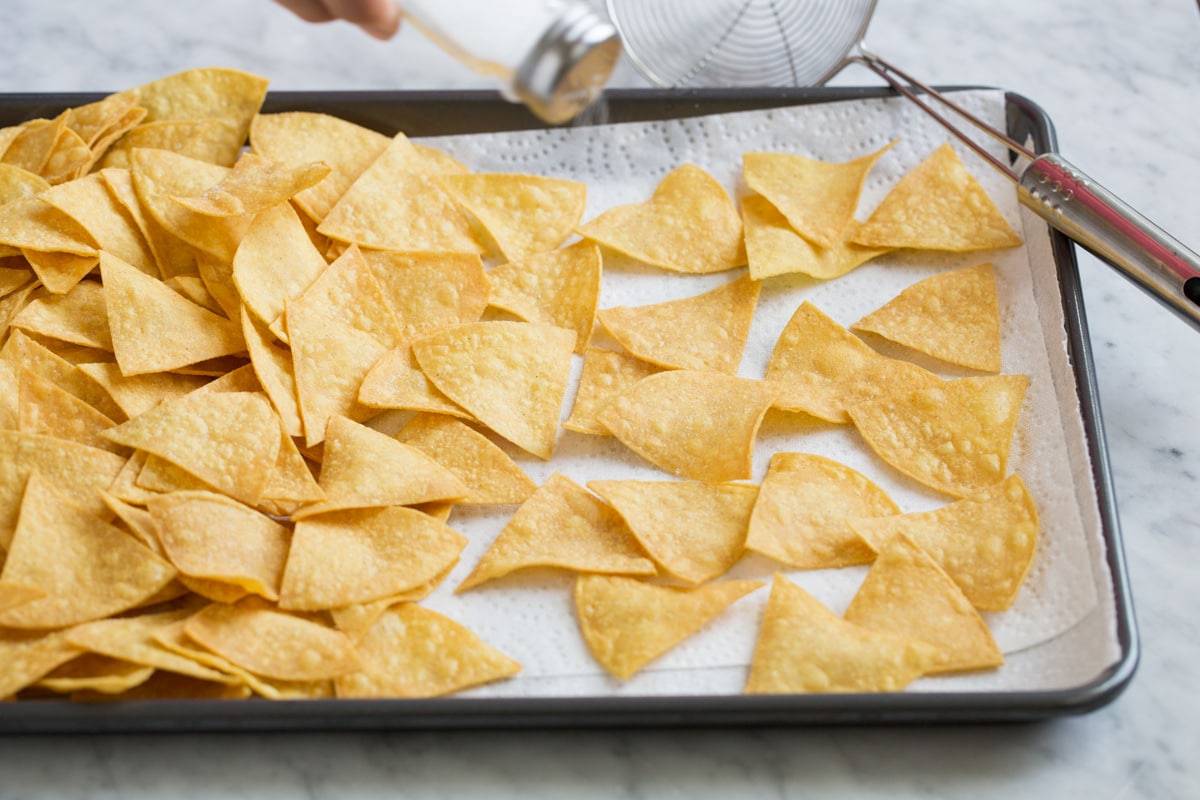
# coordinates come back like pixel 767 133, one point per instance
pixel 1101 222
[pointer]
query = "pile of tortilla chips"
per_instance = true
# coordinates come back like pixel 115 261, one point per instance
pixel 197 339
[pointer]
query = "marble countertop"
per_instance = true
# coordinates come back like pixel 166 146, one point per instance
pixel 1122 83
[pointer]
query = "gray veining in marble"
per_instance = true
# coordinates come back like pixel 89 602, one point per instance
pixel 1121 81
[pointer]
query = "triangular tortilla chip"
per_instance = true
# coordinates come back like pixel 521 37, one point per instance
pixel 33 224
pixel 275 262
pixel 361 555
pixel 273 368
pixel 50 411
pixel 561 287
pixel 688 225
pixel 212 537
pixel 986 543
pixel 21 351
pixel 939 205
pixel 88 568
pixel 91 203
pixel 906 592
pixel 953 316
pixel 695 531
pixel 396 381
pixel 414 652
pixel 229 440
pixel 406 278
pixel 695 424
pixel 803 506
pixel 364 468
pixel 29 656
pixel 818 198
pixel 398 203
pixel 488 473
pixel 78 316
pixel 17 594
pixel 804 647
pixel 822 369
pixel 511 376
pixel 253 184
pixel 954 437
pixel 606 373
pixel 95 674
pixel 155 329
pixel 347 289
pixel 628 623
pixel 774 248
pixel 717 323
pixel 562 525
pixel 525 214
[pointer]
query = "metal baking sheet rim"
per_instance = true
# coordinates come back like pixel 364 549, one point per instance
pixel 436 113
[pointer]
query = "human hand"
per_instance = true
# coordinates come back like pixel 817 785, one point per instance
pixel 380 18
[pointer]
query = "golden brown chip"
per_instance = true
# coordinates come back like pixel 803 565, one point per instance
pixel 22 351
pixel 137 521
pixel 954 437
pixel 273 367
pixel 717 324
pixel 818 198
pixel 398 203
pixel 297 137
pixel 229 440
pixel 396 381
pixel 172 256
pixel 17 183
pixel 803 506
pixel 95 673
pixel 192 138
pixel 628 623
pixel 986 542
pixel 76 469
pixel 695 531
pixel 562 525
pixel 774 248
pixel 16 594
pixel 361 555
pixel 822 369
pixel 688 225
pixel 511 376
pixel 155 329
pixel 486 471
pixel 29 656
pixel 804 647
pixel 46 409
pixel 258 638
pixel 460 296
pixel 88 568
pixel 560 287
pixel 363 468
pixel 524 214
pixel 606 373
pixel 90 203
pixel 59 272
pixel 171 686
pixel 698 425
pixel 33 224
pixel 253 184
pixel 348 290
pixel 918 318
pixel 414 652
pixel 212 537
pixel 275 262
pixel 939 205
pixel 79 317
pixel 906 592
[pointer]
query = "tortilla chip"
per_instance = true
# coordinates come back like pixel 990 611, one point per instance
pixel 486 471
pixel 954 437
pixel 804 503
pixel 560 287
pixel 606 373
pixel 628 623
pixel 17 594
pixel 939 205
pixel 524 214
pixel 985 543
pixel 695 531
pixel 396 381
pixel 27 657
pixel 361 555
pixel 717 324
pixel 398 203
pixel 906 592
pixel 229 440
pixel 17 183
pixel 804 647
pixel 253 184
pixel 698 425
pixel 79 316
pixel 818 198
pixel 191 138
pixel 88 568
pixel 561 525
pixel 688 225
pixel 347 289
pixel 21 351
pixel 275 262
pixel 953 316
pixel 90 202
pixel 270 643
pixel 50 411
pixel 429 292
pixel 95 673
pixel 511 376
pixel 774 248
pixel 273 367
pixel 33 224
pixel 822 369
pixel 172 256
pixel 414 652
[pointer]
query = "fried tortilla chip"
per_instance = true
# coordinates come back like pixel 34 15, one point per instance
pixel 275 262
pixel 29 656
pixel 396 381
pixel 48 410
pixel 79 317
pixel 486 471
pixel 774 248
pixel 460 296
pixel 560 287
pixel 628 623
pixel 606 373
pixel 524 214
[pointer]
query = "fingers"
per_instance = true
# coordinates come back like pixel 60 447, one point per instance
pixel 379 18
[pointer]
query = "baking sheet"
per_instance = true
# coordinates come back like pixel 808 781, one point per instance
pixel 1061 656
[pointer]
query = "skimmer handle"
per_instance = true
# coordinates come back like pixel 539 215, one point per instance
pixel 1104 224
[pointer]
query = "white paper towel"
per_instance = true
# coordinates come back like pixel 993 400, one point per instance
pixel 529 615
